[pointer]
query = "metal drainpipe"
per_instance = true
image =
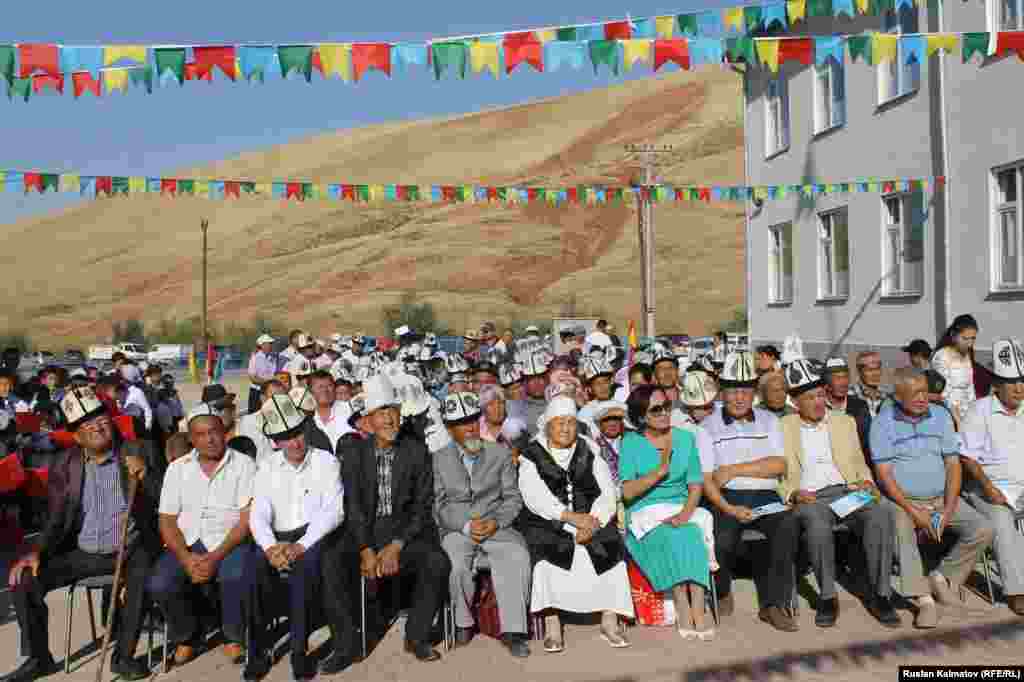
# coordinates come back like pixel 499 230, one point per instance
pixel 947 206
pixel 747 246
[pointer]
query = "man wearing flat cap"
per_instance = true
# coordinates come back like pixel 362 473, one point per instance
pixel 262 367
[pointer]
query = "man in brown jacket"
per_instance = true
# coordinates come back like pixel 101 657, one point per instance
pixel 824 464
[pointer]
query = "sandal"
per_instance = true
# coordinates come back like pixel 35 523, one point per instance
pixel 553 646
pixel 705 635
pixel 687 635
pixel 615 639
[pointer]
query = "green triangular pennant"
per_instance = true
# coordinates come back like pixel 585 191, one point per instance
pixel 605 52
pixel 119 185
pixel 741 49
pixel 20 87
pixel 363 192
pixel 412 192
pixel 7 62
pixel 975 42
pixel 819 8
pixel 308 191
pixel 172 59
pixel 49 181
pixel 186 187
pixel 752 17
pixel 142 76
pixel 247 187
pixel 687 24
pixel 503 194
pixel 449 56
pixel 297 57
pixel 566 34
pixel 860 46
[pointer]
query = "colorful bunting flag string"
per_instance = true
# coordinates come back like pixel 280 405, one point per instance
pixel 26 182
pixel 34 69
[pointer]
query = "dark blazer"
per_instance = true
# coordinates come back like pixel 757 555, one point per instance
pixel 412 493
pixel 861 413
pixel 67 476
pixel 316 438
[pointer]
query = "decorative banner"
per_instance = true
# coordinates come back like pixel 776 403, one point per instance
pixel 25 182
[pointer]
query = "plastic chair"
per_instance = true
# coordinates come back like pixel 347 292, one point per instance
pixel 447 616
pixel 102 583
pixel 154 609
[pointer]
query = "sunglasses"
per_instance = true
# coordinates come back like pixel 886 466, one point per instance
pixel 658 410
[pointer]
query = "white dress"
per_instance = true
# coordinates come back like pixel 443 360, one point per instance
pixel 580 589
pixel 959 375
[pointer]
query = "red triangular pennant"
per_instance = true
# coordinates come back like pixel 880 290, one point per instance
pixel 39 57
pixel 618 30
pixel 168 186
pixel 198 72
pixel 348 192
pixel 523 47
pixel 41 82
pixel 104 185
pixel 676 50
pixel 293 190
pixel 796 49
pixel 1010 41
pixel 33 181
pixel 232 189
pixel 83 82
pixel 371 55
pixel 223 57
pixel 448 192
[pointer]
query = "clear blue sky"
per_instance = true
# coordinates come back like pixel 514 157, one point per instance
pixel 140 134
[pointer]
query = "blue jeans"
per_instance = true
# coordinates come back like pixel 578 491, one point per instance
pixel 171 587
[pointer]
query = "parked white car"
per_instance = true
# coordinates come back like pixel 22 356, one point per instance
pixel 166 353
pixel 132 351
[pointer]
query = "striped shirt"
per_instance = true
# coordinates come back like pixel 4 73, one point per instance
pixel 385 463
pixel 103 504
pixel 741 442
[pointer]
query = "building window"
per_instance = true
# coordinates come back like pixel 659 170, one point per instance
pixel 829 96
pixel 896 78
pixel 782 264
pixel 833 255
pixel 777 116
pixel 1008 256
pixel 903 236
pixel 1006 15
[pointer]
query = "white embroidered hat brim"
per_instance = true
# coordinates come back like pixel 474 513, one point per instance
pixel 80 405
pixel 281 418
pixel 739 371
pixel 801 377
pixel 1008 361
pixel 460 407
pixel 266 338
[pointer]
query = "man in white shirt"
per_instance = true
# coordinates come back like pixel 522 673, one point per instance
pixel 743 460
pixel 204 522
pixel 251 425
pixel 993 459
pixel 135 398
pixel 597 338
pixel 331 416
pixel 297 502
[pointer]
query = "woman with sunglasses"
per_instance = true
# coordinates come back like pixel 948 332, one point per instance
pixel 662 481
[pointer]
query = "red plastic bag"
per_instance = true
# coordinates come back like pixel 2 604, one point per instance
pixel 652 608
pixel 12 474
pixel 485 607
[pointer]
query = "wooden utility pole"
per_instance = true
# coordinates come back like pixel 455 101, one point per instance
pixel 645 228
pixel 206 334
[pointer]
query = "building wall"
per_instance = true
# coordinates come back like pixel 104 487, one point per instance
pixel 892 140
pixel 986 130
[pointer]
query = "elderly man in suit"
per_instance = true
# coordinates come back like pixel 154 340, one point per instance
pixel 476 501
pixel 389 528
pixel 88 498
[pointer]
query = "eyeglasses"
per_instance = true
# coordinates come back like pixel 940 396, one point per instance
pixel 658 410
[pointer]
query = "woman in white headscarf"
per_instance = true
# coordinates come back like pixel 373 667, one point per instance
pixel 568 520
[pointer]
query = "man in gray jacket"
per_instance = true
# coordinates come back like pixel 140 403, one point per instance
pixel 476 501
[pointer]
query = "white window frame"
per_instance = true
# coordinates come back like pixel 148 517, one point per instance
pixel 998 19
pixel 896 79
pixel 895 270
pixel 1000 209
pixel 829 110
pixel 777 293
pixel 776 134
pixel 828 276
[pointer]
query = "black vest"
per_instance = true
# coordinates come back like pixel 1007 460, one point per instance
pixel 577 488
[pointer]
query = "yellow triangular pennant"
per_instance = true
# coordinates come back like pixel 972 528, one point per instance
pixel 546 36
pixel 883 47
pixel 665 27
pixel 797 10
pixel 636 50
pixel 734 19
pixel 768 51
pixel 116 79
pixel 136 185
pixel 202 189
pixel 69 182
pixel 485 56
pixel 863 6
pixel 943 41
pixel 336 59
pixel 114 53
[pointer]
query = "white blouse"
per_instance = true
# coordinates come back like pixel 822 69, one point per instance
pixel 958 372
pixel 539 499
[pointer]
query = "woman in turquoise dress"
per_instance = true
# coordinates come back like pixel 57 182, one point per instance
pixel 661 486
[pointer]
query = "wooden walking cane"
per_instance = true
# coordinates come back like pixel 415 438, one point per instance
pixel 115 590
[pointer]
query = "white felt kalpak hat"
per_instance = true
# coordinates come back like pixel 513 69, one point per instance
pixel 203 410
pixel 698 389
pixel 80 405
pixel 802 377
pixel 460 407
pixel 411 395
pixel 264 338
pixel 509 373
pixel 281 418
pixel 594 367
pixel 1008 360
pixel 380 393
pixel 303 398
pixel 304 341
pixel 739 370
pixel 456 364
pixel 535 364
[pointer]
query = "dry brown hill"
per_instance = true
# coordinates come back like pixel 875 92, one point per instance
pixel 331 266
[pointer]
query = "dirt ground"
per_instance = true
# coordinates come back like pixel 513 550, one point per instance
pixel 856 649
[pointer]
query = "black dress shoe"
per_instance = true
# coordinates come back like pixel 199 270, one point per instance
pixel 128 668
pixel 423 651
pixel 257 668
pixel 463 636
pixel 516 645
pixel 335 663
pixel 302 667
pixel 32 669
pixel 828 612
pixel 882 609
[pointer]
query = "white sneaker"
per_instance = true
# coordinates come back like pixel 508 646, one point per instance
pixel 942 590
